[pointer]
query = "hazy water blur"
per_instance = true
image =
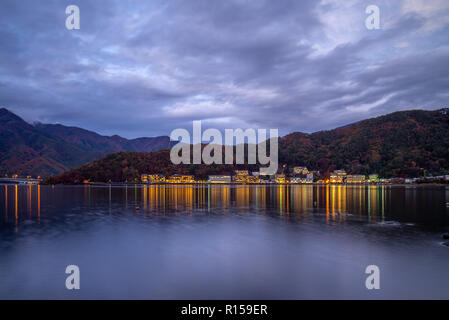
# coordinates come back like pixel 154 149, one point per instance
pixel 223 242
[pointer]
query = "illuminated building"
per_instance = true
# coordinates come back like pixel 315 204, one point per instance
pixel 340 173
pixel 304 179
pixel 181 178
pixel 335 179
pixel 280 178
pixel 156 178
pixel 373 178
pixel 356 178
pixel 252 179
pixel 240 176
pixel 337 176
pixel 300 170
pixel 295 180
pixel 219 179
pixel 152 178
pixel 15 176
pixel 243 177
pixel 301 175
pixel 240 179
pixel 309 177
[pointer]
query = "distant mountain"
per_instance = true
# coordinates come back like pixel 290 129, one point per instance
pixel 49 149
pixel 405 144
pixel 90 140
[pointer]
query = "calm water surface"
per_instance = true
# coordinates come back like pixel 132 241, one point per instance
pixel 223 242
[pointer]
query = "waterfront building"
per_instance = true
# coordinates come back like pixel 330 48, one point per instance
pixel 152 178
pixel 219 179
pixel 340 173
pixel 252 179
pixel 280 178
pixel 240 178
pixel 373 178
pixel 300 170
pixel 156 178
pixel 302 179
pixel 181 178
pixel 243 176
pixel 309 178
pixel 335 179
pixel 241 172
pixel 295 180
pixel 356 178
pixel 337 176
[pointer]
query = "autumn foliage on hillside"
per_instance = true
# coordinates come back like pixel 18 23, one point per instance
pixel 128 166
pixel 401 144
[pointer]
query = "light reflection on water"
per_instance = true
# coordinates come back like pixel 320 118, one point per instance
pixel 291 242
pixel 425 205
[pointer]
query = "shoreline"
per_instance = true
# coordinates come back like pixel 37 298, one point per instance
pixel 247 184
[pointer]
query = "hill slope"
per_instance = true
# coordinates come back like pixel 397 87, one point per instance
pixel 399 144
pixel 128 166
pixel 46 149
pixel 90 140
pixel 25 150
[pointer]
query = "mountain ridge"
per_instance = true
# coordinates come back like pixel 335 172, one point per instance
pixel 401 144
pixel 49 149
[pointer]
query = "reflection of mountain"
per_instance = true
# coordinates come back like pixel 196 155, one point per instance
pixel 45 149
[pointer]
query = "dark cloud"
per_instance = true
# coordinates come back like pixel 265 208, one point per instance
pixel 144 68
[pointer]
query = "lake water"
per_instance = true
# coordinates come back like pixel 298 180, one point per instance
pixel 223 242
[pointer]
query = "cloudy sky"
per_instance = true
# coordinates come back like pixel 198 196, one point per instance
pixel 144 68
